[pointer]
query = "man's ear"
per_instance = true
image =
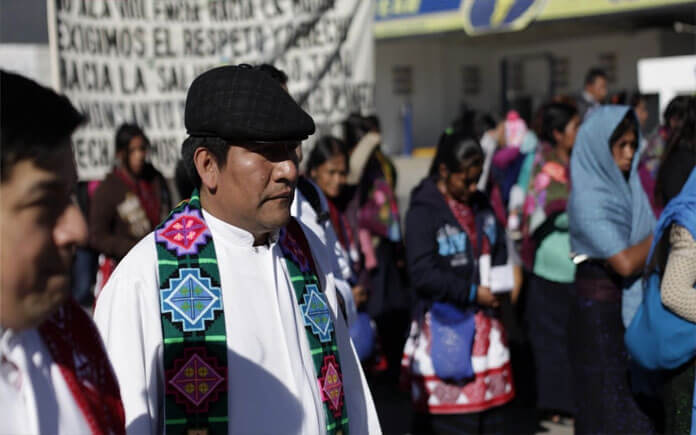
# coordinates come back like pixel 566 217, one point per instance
pixel 207 168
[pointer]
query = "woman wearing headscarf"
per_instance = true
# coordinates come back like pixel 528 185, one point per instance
pixel 547 256
pixel 456 357
pixel 611 225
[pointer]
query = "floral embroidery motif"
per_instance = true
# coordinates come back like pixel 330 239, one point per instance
pixel 184 232
pixel 316 314
pixel 191 299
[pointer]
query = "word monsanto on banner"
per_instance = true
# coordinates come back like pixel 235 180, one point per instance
pixel 133 60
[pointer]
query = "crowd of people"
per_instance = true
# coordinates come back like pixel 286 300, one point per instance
pixel 293 280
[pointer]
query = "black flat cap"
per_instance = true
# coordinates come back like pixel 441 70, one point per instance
pixel 241 103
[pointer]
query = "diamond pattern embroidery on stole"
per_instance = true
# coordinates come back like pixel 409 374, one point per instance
pixel 316 314
pixel 319 328
pixel 184 232
pixel 191 300
pixel 196 379
pixel 331 385
pixel 193 324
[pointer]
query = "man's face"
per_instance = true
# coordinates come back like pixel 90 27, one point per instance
pixel 598 89
pixel 257 184
pixel 41 226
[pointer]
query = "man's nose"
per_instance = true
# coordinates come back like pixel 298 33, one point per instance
pixel 287 169
pixel 71 228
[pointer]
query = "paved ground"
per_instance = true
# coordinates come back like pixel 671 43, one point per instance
pixel 395 415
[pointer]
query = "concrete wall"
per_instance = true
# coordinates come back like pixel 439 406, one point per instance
pixel 426 101
pixel 437 85
pixel 23 22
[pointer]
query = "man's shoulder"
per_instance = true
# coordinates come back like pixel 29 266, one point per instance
pixel 139 264
pixel 142 254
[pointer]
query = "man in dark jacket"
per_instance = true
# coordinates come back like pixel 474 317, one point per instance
pixel 594 93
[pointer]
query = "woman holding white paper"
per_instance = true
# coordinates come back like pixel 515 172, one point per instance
pixel 456 357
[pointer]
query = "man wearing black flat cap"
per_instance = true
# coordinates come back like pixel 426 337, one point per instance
pixel 223 320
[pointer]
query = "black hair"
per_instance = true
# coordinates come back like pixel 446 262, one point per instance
pixel 457 149
pixel 485 122
pixel 183 182
pixel 126 133
pixel 474 123
pixel 629 122
pixel 676 108
pixel 324 149
pixel 218 148
pixel 277 74
pixel 372 123
pixel 555 117
pixel 632 99
pixel 354 128
pixel 593 74
pixel 619 98
pixel 679 157
pixel 635 99
pixel 34 121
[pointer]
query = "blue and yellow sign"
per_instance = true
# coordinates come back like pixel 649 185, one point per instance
pixel 476 17
pixel 396 9
pixel 416 17
pixel 484 16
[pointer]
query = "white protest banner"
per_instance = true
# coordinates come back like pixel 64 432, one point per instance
pixel 133 60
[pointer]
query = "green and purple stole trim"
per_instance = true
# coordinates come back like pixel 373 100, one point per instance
pixel 193 324
pixel 319 325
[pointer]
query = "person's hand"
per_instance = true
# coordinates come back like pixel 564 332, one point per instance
pixel 359 295
pixel 485 297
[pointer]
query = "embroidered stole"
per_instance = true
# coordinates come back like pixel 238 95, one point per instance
pixel 77 349
pixel 318 321
pixel 193 324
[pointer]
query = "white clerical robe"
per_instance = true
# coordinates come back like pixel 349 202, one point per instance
pixel 34 397
pixel 272 385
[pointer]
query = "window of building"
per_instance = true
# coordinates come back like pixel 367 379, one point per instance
pixel 607 61
pixel 402 79
pixel 471 80
pixel 561 72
